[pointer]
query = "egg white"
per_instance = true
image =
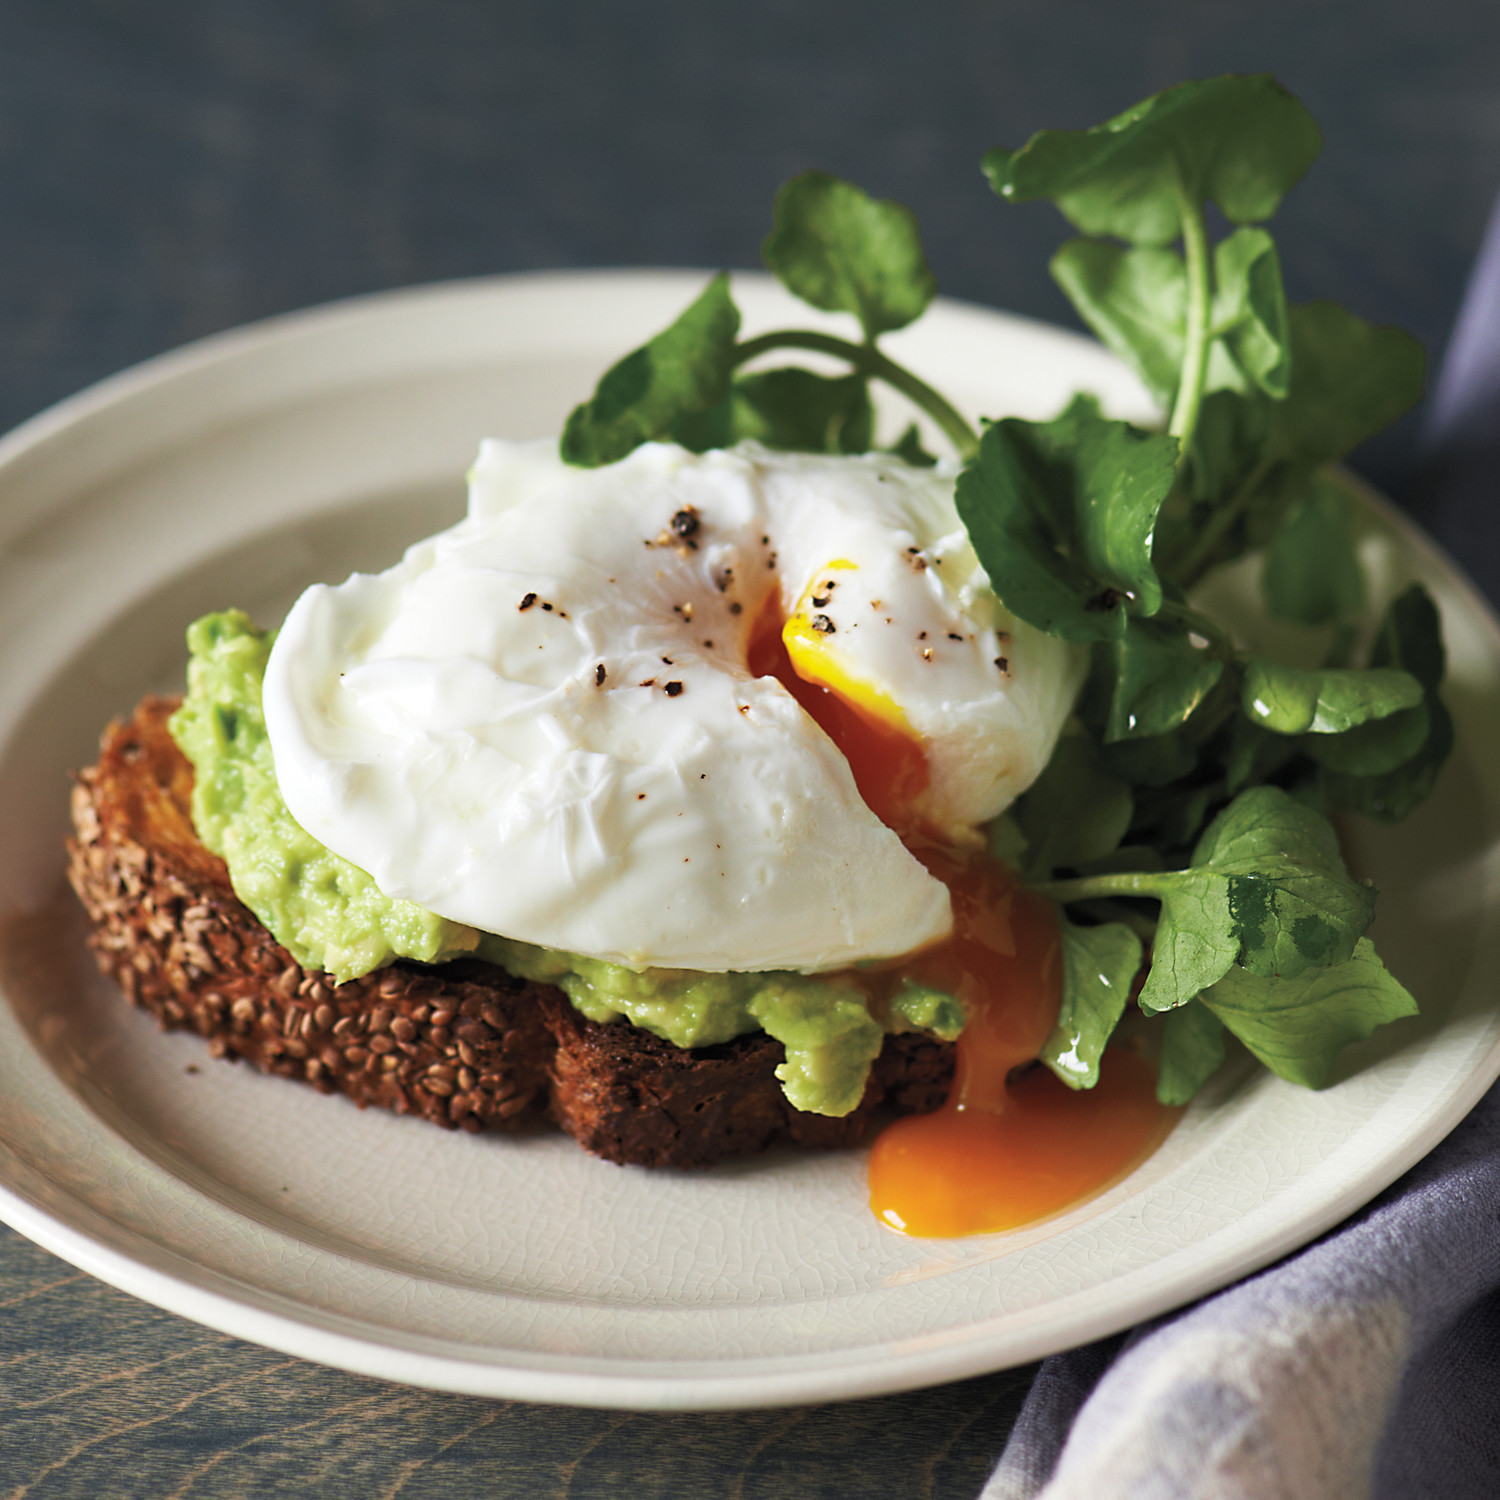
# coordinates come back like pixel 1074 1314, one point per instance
pixel 541 722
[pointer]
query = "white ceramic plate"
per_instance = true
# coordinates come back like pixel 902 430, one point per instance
pixel 244 468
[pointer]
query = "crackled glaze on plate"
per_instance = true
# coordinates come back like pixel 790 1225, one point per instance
pixel 244 468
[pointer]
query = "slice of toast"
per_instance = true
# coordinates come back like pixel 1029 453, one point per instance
pixel 463 1044
pixel 631 1097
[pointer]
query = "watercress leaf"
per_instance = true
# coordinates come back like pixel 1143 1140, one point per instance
pixel 1160 678
pixel 1268 504
pixel 1174 819
pixel 1312 572
pixel 1410 637
pixel 909 446
pixel 684 370
pixel 838 248
pixel 1267 888
pixel 1075 811
pixel 1297 1025
pixel 1349 379
pixel 1390 797
pixel 1226 467
pixel 1135 300
pixel 1372 749
pixel 1192 1048
pixel 1238 141
pixel 1250 754
pixel 1229 441
pixel 701 430
pixel 1196 939
pixel 1296 700
pixel 1099 966
pixel 795 409
pixel 1250 305
pixel 1152 760
pixel 1293 903
pixel 1060 514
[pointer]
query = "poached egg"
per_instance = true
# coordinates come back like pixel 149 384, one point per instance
pixel 555 721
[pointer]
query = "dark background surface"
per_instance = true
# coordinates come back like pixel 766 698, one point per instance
pixel 169 168
pixel 173 168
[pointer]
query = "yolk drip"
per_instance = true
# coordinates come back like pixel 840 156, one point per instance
pixel 1012 1143
pixel 888 765
pixel 1007 1148
pixel 957 1172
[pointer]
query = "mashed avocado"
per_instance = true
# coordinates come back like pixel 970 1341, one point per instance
pixel 326 913
pixel 827 1029
pixel 330 915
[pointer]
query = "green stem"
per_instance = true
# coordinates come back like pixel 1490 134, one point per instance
pixel 1199 336
pixel 1187 569
pixel 1100 887
pixel 868 360
pixel 1182 614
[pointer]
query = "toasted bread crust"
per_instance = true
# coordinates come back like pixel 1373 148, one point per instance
pixel 463 1044
pixel 633 1098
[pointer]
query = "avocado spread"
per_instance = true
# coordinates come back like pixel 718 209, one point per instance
pixel 328 914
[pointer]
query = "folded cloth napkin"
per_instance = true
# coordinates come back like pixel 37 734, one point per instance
pixel 1368 1364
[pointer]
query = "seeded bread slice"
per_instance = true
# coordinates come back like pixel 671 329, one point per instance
pixel 463 1044
pixel 629 1096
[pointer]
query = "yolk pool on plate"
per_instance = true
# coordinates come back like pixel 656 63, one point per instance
pixel 1005 1150
pixel 1012 1143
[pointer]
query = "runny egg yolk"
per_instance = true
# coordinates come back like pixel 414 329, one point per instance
pixel 1012 1143
pixel 1007 1147
pixel 861 718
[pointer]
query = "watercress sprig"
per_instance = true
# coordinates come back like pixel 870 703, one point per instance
pixel 1145 177
pixel 836 248
pixel 1180 825
pixel 1223 758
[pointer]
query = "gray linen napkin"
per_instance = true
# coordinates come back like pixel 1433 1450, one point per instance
pixel 1368 1364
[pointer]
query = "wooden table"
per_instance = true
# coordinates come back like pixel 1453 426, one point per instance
pixel 102 1395
pixel 167 170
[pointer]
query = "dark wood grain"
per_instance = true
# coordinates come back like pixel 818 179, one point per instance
pixel 104 1396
